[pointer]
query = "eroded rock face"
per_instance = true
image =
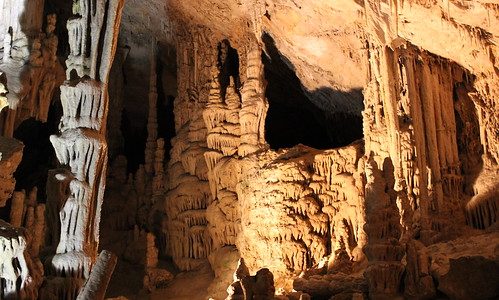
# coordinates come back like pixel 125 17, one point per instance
pixel 11 152
pixel 459 266
pixel 377 202
pixel 29 61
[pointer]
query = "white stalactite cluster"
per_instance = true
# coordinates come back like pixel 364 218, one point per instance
pixel 20 268
pixel 76 195
pixel 13 265
pixel 18 21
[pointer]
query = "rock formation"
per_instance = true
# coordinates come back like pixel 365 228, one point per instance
pixel 23 237
pixel 29 62
pixel 77 192
pixel 10 157
pixel 3 98
pixel 366 205
pixel 245 286
pixel 333 149
pixel 13 264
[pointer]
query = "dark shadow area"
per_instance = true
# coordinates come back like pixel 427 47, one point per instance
pixel 469 147
pixel 228 64
pixel 63 10
pixel 321 119
pixel 38 154
pixel 134 143
pixel 165 116
pixel 135 137
pixel 166 121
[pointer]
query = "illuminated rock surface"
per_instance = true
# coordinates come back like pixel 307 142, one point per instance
pixel 318 149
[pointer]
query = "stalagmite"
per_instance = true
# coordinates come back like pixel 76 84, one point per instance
pixel 17 209
pixel 254 104
pixel 188 193
pixel 96 285
pixel 159 180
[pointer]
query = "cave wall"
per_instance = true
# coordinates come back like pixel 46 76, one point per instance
pixel 405 181
pixel 216 181
pixel 370 217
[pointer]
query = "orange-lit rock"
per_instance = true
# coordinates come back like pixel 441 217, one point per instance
pixel 329 149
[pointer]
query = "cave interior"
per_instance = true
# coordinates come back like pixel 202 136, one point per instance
pixel 250 149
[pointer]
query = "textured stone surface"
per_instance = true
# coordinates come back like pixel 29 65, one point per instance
pixel 11 152
pixel 466 268
pixel 402 211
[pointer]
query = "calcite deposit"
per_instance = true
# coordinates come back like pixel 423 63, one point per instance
pixel 249 149
pixel 29 62
pixel 81 147
pixel 11 154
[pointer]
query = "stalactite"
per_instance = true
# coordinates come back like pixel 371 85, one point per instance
pixel 254 105
pixel 12 263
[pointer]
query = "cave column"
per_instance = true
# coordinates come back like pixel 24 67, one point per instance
pixel 81 145
pixel 188 196
pixel 254 105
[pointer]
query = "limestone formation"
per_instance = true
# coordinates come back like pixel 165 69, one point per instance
pixel 81 146
pixel 10 157
pixel 29 62
pixel 3 92
pixel 13 264
pixel 361 205
pixel 259 286
pixel 96 284
pixel 331 149
pixel 188 185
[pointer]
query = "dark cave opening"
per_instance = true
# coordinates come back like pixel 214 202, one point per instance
pixel 135 135
pixel 297 116
pixel 63 11
pixel 38 155
pixel 134 142
pixel 228 64
pixel 164 111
